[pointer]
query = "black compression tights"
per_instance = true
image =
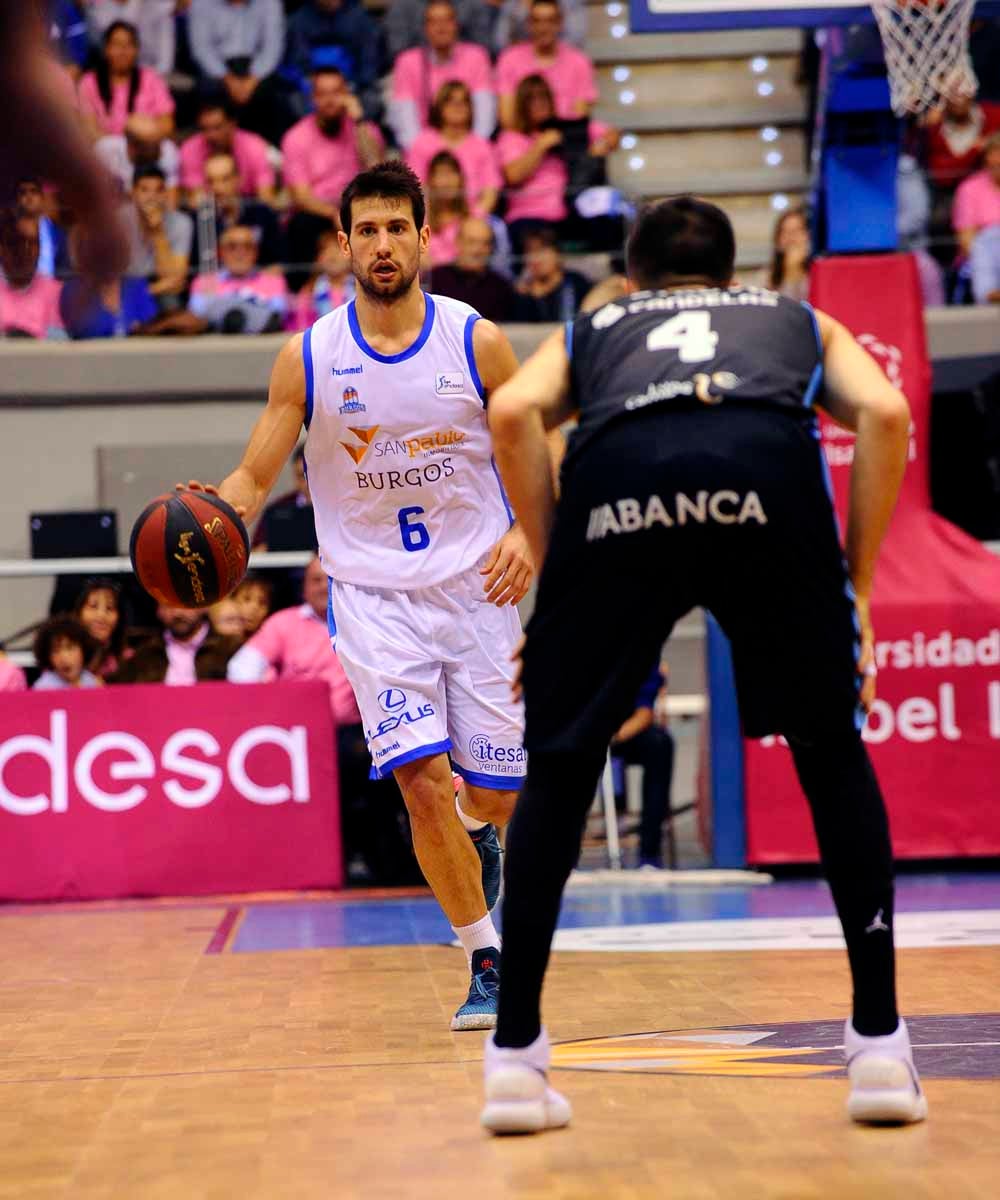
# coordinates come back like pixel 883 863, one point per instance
pixel 543 844
pixel 852 830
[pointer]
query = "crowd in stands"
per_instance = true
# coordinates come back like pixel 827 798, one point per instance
pixel 233 126
pixel 244 639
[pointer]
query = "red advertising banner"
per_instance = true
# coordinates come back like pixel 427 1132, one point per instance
pixel 152 791
pixel 934 731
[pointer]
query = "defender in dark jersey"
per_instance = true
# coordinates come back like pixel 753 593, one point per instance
pixel 695 477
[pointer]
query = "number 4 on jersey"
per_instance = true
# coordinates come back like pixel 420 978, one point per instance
pixel 689 333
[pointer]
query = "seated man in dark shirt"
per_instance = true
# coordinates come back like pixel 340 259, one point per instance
pixel 547 291
pixel 470 278
pixel 642 743
pixel 222 182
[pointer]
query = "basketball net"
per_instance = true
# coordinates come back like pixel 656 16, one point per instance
pixel 926 45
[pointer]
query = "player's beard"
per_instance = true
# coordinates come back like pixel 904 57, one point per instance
pixel 386 293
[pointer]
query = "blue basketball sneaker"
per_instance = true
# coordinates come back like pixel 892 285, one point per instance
pixel 480 1009
pixel 491 856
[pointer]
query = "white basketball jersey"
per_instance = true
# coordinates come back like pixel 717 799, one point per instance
pixel 401 473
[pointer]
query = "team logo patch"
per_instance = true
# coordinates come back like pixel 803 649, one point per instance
pixel 955 1046
pixel 352 402
pixel 447 383
pixel 364 436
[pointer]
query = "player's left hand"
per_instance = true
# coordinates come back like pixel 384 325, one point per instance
pixel 508 569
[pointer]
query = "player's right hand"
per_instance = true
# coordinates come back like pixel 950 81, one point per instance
pixel 194 485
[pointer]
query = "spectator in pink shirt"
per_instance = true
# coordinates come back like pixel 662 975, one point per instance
pixel 421 72
pixel 11 677
pixel 118 87
pixel 240 298
pixel 976 217
pixel 569 72
pixel 447 207
pixel 29 302
pixel 218 133
pixel 535 172
pixel 295 644
pixel 185 653
pixel 322 154
pixel 450 128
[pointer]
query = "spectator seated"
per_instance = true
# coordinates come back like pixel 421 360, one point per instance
pixel 140 146
pixel 218 133
pixel 62 648
pixel 237 48
pixel 513 24
pixel 184 652
pixel 29 301
pixel 29 201
pixel 546 290
pixel 322 154
pixel 240 298
pixel 405 24
pixel 153 20
pixel 470 278
pixel 341 34
pixel 68 35
pixel 955 135
pixel 534 162
pixel 119 87
pixel 11 676
pixel 159 238
pixel 450 128
pixel 568 71
pixel 420 74
pixel 976 218
pixel 447 207
pixel 226 199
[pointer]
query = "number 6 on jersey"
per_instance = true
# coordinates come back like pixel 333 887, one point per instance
pixel 689 333
pixel 414 535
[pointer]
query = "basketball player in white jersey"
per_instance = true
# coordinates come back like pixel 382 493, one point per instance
pixel 416 536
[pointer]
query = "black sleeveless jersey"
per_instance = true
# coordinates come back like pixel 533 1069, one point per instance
pixel 717 347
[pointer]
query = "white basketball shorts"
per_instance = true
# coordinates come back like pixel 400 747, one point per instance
pixel 431 669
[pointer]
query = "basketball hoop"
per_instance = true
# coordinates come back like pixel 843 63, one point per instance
pixel 926 45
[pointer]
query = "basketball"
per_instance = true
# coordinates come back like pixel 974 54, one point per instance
pixel 189 549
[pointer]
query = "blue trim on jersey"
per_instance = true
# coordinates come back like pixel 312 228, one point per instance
pixel 569 339
pixel 496 783
pixel 307 360
pixel 422 336
pixel 470 355
pixel 816 379
pixel 331 620
pixel 378 772
pixel 503 490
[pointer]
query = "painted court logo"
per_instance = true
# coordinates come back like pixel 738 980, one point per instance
pixel 956 1046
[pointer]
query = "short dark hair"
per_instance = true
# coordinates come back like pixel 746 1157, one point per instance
pixel 217 104
pixel 390 180
pixel 682 238
pixel 66 629
pixel 541 235
pixel 149 171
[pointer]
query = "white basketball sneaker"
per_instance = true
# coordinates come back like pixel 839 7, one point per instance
pixel 885 1087
pixel 518 1097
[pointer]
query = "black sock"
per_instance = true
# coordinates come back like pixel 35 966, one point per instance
pixel 543 845
pixel 852 830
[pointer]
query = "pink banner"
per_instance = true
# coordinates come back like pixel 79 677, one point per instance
pixel 934 732
pixel 155 791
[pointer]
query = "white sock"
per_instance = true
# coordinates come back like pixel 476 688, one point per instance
pixel 472 824
pixel 536 1055
pixel 481 935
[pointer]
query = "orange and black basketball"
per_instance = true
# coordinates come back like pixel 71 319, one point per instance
pixel 189 549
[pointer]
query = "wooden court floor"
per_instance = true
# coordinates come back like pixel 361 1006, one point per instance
pixel 134 1064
